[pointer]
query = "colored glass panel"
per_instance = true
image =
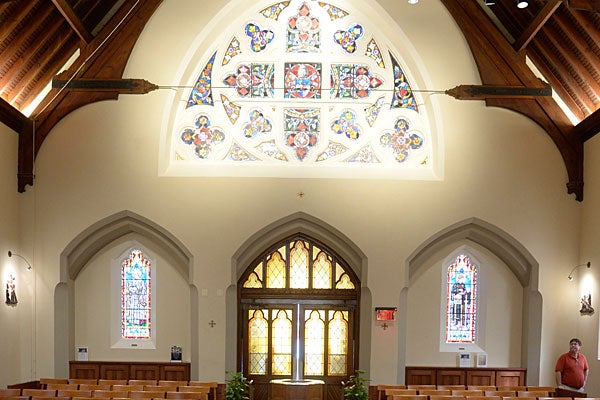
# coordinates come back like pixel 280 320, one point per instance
pixel 347 39
pixel 353 81
pixel 301 129
pixel 402 140
pixel 252 80
pixel 276 271
pixel 302 81
pixel 274 10
pixel 258 342
pixel 203 137
pixel 337 342
pixel 322 267
pixel 314 343
pixel 346 125
pixel 299 266
pixel 202 91
pixel 259 38
pixel 136 296
pixel 281 338
pixel 403 94
pixel 333 11
pixel 232 50
pixel 461 301
pixel 303 33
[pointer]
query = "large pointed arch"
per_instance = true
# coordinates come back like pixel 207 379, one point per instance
pixel 514 255
pixel 328 235
pixel 83 248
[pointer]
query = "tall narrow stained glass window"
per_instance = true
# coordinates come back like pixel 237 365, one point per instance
pixel 461 301
pixel 136 289
pixel 247 106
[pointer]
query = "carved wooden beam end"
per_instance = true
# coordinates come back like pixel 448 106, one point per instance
pixel 121 86
pixel 484 92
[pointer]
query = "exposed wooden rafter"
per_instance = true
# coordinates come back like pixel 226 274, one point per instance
pixel 499 63
pixel 67 12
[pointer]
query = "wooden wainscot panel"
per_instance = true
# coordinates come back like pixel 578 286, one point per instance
pixel 420 376
pixel 167 371
pixel 481 378
pixel 510 377
pixel 175 372
pixel 114 371
pixel 451 377
pixel 83 370
pixel 144 371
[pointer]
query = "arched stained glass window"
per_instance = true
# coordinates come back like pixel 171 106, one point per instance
pixel 297 83
pixel 299 259
pixel 461 301
pixel 136 289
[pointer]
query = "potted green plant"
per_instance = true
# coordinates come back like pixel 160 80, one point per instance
pixel 356 388
pixel 237 387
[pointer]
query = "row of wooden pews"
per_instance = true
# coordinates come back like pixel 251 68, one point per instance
pixel 95 389
pixel 461 392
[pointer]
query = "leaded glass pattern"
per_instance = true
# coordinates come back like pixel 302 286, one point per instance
pixel 461 301
pixel 338 342
pixel 281 337
pixel 258 342
pixel 314 340
pixel 299 266
pixel 136 289
pixel 303 33
pixel 274 58
pixel 322 271
pixel 308 266
pixel 276 271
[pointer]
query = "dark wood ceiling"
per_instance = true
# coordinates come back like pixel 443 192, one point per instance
pixel 561 37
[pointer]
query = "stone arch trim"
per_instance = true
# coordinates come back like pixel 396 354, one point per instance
pixel 516 257
pixel 83 248
pixel 328 235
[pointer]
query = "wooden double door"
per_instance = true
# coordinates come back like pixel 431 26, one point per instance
pixel 298 339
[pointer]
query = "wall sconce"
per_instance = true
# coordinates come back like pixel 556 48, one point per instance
pixel 10 254
pixel 588 264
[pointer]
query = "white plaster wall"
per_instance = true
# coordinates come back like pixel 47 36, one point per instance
pixel 499 308
pixel 586 326
pixel 97 291
pixel 499 167
pixel 15 320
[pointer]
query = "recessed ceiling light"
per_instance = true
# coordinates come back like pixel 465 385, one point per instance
pixel 522 3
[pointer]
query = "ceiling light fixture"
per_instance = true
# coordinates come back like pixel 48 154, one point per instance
pixel 588 264
pixel 413 1
pixel 522 3
pixel 10 254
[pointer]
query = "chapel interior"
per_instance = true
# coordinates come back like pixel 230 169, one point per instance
pixel 299 190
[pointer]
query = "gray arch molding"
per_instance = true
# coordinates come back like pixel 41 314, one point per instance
pixel 81 250
pixel 328 235
pixel 514 255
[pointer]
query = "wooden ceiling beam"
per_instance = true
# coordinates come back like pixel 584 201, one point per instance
pixel 11 116
pixel 17 68
pixel 556 83
pixel 589 127
pixel 65 9
pixel 497 61
pixel 61 52
pixel 9 26
pixel 586 5
pixel 538 22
